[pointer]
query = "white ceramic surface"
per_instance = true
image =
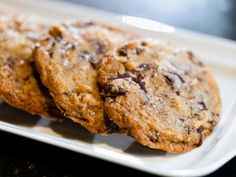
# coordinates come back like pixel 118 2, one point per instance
pixel 219 54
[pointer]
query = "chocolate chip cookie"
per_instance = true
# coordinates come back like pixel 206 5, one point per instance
pixel 67 60
pixel 164 97
pixel 19 86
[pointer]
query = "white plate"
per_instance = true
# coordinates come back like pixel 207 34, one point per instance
pixel 219 54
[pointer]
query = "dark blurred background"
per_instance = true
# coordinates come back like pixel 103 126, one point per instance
pixel 215 17
pixel 27 158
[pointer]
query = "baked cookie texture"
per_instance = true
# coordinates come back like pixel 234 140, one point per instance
pixel 67 61
pixel 164 97
pixel 19 86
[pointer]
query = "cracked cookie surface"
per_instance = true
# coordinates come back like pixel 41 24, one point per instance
pixel 67 60
pixel 19 87
pixel 164 97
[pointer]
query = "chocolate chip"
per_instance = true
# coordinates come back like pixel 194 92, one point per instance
pixel 85 55
pixel 187 129
pixel 66 94
pixel 144 67
pixel 123 51
pixel 47 38
pixel 199 79
pixel 154 140
pixel 67 44
pixel 202 106
pixel 169 80
pixel 212 122
pixel 137 51
pixel 125 75
pixel 201 136
pixel 50 54
pixel 94 62
pixel 83 119
pixel 190 55
pixel 181 120
pixel 101 48
pixel 58 38
pixel 155 137
pixel 199 63
pixel 110 124
pixel 87 24
pixel 73 46
pixel 26 78
pixel 53 43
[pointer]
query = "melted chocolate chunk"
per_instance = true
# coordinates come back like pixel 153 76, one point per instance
pixel 170 79
pixel 125 75
pixel 139 81
pixel 113 93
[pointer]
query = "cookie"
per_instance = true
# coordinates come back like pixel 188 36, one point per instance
pixel 164 97
pixel 19 86
pixel 67 61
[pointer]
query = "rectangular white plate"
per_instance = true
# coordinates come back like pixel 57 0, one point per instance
pixel 219 54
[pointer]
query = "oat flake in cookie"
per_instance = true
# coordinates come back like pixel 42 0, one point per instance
pixel 166 98
pixel 67 60
pixel 19 87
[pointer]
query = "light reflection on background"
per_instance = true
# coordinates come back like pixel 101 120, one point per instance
pixel 216 17
pixel 146 24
